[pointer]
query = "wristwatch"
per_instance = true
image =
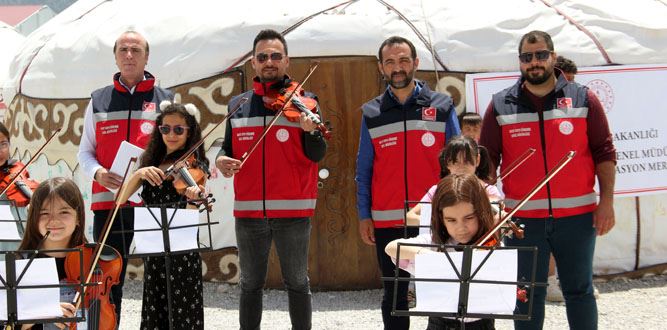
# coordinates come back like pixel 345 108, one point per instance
pixel 315 132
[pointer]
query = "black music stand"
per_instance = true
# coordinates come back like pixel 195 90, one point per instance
pixel 164 221
pixel 12 283
pixel 466 276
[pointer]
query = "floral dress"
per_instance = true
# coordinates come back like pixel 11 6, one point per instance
pixel 186 277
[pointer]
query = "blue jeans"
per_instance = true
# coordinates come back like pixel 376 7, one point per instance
pixel 291 236
pixel 382 237
pixel 572 242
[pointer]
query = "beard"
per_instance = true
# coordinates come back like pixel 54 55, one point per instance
pixel 395 80
pixel 535 77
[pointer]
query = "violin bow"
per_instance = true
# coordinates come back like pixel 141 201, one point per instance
pixel 32 159
pixel 278 114
pixel 105 232
pixel 563 161
pixel 514 165
pixel 169 171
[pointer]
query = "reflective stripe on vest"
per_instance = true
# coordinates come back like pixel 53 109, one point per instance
pixel 120 115
pixel 548 115
pixel 259 122
pixel 556 203
pixel 258 205
pixel 388 215
pixel 105 196
pixel 412 125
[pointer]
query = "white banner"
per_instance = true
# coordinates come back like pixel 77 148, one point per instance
pixel 633 98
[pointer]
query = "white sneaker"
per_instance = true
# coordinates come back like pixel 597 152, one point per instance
pixel 554 293
pixel 596 293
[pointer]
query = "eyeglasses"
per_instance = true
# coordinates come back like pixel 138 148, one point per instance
pixel 178 129
pixel 262 57
pixel 541 55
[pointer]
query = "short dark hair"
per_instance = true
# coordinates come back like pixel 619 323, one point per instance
pixel 269 34
pixel 115 43
pixel 4 131
pixel 470 118
pixel 535 36
pixel 566 65
pixel 397 40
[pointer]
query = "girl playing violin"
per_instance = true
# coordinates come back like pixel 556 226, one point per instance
pixel 461 214
pixel 177 131
pixel 17 192
pixel 461 155
pixel 57 206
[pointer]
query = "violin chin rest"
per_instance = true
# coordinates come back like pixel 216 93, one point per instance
pixel 108 253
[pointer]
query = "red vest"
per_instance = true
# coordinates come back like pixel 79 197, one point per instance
pixel 570 192
pixel 406 144
pixel 277 180
pixel 121 116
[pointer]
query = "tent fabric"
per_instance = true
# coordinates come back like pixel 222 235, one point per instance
pixel 197 39
pixel 10 41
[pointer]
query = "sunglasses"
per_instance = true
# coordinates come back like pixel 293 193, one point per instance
pixel 178 129
pixel 262 57
pixel 541 55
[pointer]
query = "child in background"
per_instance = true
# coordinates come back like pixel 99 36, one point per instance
pixel 461 214
pixel 471 125
pixel 461 155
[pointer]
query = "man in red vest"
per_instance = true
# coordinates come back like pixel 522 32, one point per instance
pixel 402 132
pixel 276 189
pixel 123 111
pixel 546 112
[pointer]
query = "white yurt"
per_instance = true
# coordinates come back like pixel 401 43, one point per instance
pixel 200 50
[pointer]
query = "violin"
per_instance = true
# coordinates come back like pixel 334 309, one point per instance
pixel 291 100
pixel 101 311
pixel 190 175
pixel 21 191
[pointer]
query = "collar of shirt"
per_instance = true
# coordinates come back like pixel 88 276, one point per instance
pixel 415 92
pixel 131 90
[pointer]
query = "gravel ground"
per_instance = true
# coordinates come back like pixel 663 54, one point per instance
pixel 623 304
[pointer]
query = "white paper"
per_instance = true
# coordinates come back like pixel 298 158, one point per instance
pixel 125 153
pixel 482 298
pixel 425 218
pixel 34 303
pixel 179 239
pixel 8 230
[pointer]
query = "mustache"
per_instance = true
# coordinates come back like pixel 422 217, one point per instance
pixel 398 73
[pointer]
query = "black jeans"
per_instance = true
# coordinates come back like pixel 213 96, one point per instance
pixel 291 237
pixel 382 237
pixel 439 323
pixel 126 215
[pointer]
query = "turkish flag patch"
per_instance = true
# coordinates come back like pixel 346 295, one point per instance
pixel 148 106
pixel 428 113
pixel 564 103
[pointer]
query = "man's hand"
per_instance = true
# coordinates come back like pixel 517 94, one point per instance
pixel 306 123
pixel 603 217
pixel 228 166
pixel 367 231
pixel 107 179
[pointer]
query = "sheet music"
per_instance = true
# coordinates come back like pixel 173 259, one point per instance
pixel 8 230
pixel 125 153
pixel 425 218
pixel 179 239
pixel 34 303
pixel 483 298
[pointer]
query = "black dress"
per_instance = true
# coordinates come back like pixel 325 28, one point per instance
pixel 186 277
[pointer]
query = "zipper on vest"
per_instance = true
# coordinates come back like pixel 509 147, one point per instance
pixel 540 114
pixel 405 153
pixel 129 118
pixel 264 171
